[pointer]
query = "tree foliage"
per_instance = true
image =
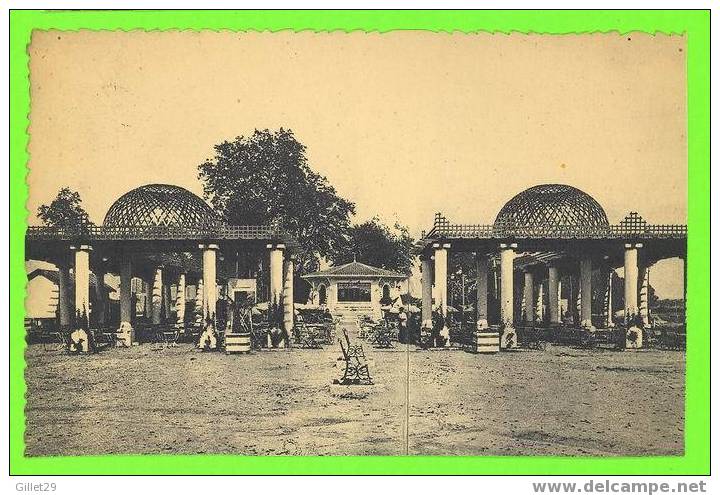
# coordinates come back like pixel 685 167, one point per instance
pixel 374 243
pixel 65 211
pixel 265 178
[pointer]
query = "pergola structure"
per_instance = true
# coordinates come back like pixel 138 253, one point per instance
pixel 150 220
pixel 544 232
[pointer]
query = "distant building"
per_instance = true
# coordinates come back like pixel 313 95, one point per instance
pixel 354 288
pixel 42 293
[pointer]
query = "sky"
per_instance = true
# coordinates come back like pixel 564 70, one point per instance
pixel 404 124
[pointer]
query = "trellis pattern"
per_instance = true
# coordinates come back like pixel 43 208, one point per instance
pixel 634 223
pixel 554 211
pixel 551 206
pixel 160 205
pixel 452 231
pixel 153 233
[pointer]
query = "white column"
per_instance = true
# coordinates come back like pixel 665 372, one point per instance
pixel 529 297
pixel 540 304
pixel 331 292
pixel 208 337
pixel 180 301
pixel 554 294
pixel 375 295
pixel 65 312
pixel 631 281
pixel 199 302
pixel 633 334
pixel 441 268
pixel 166 301
pixel 82 279
pixel 157 296
pixel 609 321
pixel 559 301
pixel 578 308
pixel 426 273
pixel 209 256
pixel 275 286
pixel 126 303
pixel 586 292
pixel 276 272
pixel 507 256
pixel 288 302
pixel 644 296
pixel 482 291
pixel 100 307
pixel 148 288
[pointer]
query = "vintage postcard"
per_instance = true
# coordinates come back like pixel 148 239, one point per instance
pixel 350 243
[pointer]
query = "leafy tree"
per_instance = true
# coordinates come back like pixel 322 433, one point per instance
pixel 65 211
pixel 265 178
pixel 374 243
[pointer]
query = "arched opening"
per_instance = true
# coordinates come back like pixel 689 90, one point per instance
pixel 322 295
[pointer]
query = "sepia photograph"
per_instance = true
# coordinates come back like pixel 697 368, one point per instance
pixel 406 243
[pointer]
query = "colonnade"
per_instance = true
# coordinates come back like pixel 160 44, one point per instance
pixel 434 269
pixel 280 288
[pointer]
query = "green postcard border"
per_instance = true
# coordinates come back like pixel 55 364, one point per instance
pixel 694 24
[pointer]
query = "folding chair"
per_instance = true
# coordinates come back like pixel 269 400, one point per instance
pixel 383 337
pixel 304 336
pixel 170 336
pixel 104 338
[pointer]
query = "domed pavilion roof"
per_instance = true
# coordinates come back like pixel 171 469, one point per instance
pixel 551 205
pixel 160 205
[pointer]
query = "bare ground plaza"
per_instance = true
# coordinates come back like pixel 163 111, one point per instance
pixel 280 403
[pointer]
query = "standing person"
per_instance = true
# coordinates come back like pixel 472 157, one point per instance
pixel 438 327
pixel 402 325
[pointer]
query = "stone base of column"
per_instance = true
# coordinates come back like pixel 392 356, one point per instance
pixel 587 325
pixel 508 338
pixel 634 338
pixel 125 335
pixel 445 334
pixel 481 324
pixel 208 339
pixel 237 343
pixel 485 341
pixel 79 341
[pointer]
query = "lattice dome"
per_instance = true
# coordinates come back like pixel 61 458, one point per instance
pixel 160 205
pixel 551 205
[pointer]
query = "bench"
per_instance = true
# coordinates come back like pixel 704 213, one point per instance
pixel 356 370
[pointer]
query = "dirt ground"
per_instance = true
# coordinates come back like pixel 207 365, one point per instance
pixel 150 399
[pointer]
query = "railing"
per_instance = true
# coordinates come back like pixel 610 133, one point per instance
pixel 222 232
pixel 631 227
